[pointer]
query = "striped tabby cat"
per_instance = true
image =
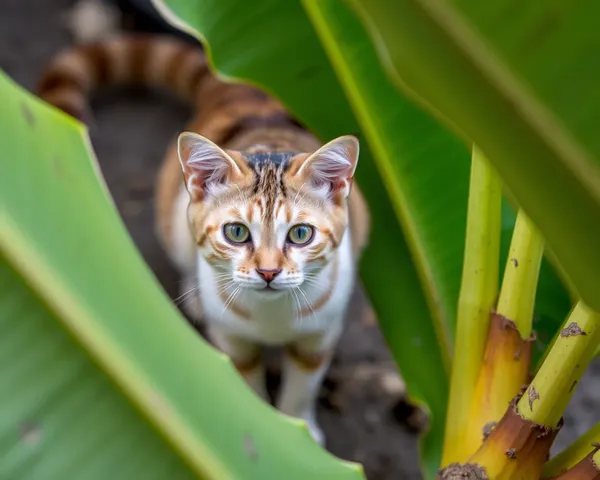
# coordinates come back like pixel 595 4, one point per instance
pixel 257 215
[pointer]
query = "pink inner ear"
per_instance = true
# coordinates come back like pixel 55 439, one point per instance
pixel 335 162
pixel 210 164
pixel 329 170
pixel 203 163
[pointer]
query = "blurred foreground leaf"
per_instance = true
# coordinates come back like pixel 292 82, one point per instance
pixel 100 377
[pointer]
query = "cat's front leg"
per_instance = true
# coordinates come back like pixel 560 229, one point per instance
pixel 304 366
pixel 246 357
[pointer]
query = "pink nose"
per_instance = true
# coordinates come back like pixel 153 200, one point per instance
pixel 268 274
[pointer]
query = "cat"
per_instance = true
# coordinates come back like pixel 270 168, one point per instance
pixel 261 219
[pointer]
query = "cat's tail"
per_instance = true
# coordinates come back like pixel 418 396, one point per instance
pixel 132 59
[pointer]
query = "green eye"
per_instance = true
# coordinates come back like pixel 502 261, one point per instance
pixel 300 234
pixel 236 233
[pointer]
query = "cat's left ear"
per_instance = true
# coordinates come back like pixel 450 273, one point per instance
pixel 206 166
pixel 333 164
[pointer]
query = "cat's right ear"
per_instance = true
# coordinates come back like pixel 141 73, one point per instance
pixel 205 165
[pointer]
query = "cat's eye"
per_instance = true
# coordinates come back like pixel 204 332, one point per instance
pixel 236 232
pixel 300 234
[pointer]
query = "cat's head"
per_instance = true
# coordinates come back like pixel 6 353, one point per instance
pixel 269 220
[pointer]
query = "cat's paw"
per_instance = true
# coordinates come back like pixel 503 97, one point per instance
pixel 315 431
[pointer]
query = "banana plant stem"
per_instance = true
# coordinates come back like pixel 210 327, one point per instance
pixel 596 456
pixel 517 295
pixel 547 396
pixel 574 453
pixel 478 292
pixel 586 469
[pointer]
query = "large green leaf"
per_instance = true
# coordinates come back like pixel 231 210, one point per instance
pixel 518 79
pixel 414 170
pixel 100 376
pixel 412 267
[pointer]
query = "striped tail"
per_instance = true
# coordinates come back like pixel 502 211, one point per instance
pixel 147 60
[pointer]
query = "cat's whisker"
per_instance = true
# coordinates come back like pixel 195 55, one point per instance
pixel 184 295
pixel 236 293
pixel 242 194
pixel 308 304
pixel 225 271
pixel 221 275
pixel 217 281
pixel 223 288
pixel 186 301
pixel 230 299
pixel 298 193
pixel 305 194
pixel 299 306
pixel 313 282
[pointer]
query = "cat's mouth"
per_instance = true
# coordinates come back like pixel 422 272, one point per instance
pixel 269 292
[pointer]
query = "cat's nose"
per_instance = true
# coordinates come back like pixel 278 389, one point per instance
pixel 268 274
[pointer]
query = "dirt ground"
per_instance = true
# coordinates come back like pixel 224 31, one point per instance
pixel 362 407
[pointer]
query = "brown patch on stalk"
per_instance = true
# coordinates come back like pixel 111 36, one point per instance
pixel 504 371
pixel 468 471
pixel 516 448
pixel 573 385
pixel 572 330
pixel 533 396
pixel 586 469
pixel 488 428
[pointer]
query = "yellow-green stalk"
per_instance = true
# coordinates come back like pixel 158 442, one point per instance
pixel 574 453
pixel 507 359
pixel 519 286
pixel 596 457
pixel 478 292
pixel 547 396
pixel 587 469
